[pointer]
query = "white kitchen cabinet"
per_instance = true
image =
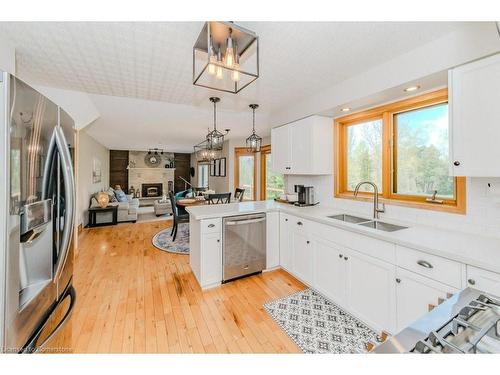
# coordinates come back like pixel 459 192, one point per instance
pixel 303 147
pixel 302 252
pixel 329 271
pixel 272 240
pixel 281 150
pixel 371 290
pixel 205 255
pixel 486 281
pixel 211 259
pixel 474 110
pixel 415 294
pixel 285 250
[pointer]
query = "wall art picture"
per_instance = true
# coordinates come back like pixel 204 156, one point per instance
pixel 96 171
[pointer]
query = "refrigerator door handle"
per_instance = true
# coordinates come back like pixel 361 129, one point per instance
pixel 48 165
pixel 69 190
pixel 33 347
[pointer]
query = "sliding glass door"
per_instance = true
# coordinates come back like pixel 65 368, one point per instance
pixel 245 172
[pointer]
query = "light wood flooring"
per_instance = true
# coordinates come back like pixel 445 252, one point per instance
pixel 134 298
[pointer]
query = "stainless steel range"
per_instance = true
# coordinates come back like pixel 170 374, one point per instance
pixel 469 322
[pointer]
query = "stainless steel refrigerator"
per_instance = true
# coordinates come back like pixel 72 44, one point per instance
pixel 38 205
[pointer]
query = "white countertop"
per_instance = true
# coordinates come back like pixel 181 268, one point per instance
pixel 476 250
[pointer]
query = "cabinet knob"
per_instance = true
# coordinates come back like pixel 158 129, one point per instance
pixel 218 240
pixel 398 280
pixel 471 281
pixel 299 223
pixel 286 219
pixel 211 225
pixel 341 256
pixel 308 242
pixel 346 258
pixel 456 163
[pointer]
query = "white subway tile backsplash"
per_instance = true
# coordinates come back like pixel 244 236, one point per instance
pixel 483 206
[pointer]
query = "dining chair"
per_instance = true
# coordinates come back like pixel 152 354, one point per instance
pixel 219 198
pixel 198 190
pixel 238 194
pixel 178 218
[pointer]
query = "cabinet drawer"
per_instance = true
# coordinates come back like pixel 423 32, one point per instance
pixel 486 281
pixel 444 270
pixel 364 244
pixel 211 226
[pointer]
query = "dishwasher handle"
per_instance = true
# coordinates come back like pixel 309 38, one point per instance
pixel 243 222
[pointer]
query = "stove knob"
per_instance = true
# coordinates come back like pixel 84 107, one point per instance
pixel 471 281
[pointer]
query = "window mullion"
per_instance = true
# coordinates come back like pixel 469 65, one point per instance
pixel 386 155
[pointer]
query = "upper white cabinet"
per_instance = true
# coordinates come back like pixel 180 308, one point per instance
pixel 303 147
pixel 474 108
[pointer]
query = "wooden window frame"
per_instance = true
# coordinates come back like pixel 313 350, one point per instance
pixel 387 113
pixel 242 151
pixel 264 150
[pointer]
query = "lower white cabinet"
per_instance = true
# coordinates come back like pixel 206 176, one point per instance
pixel 302 254
pixel 329 271
pixel 285 250
pixel 272 240
pixel 486 281
pixel 371 290
pixel 416 295
pixel 211 259
pixel 205 255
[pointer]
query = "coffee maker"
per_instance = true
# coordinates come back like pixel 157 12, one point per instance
pixel 305 196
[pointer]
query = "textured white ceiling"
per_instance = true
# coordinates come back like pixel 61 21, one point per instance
pixel 153 61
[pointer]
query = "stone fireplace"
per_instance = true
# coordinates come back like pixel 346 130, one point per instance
pixel 151 190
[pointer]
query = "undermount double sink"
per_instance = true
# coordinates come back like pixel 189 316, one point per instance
pixel 375 224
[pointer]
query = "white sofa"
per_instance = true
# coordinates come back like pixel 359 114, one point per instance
pixel 127 211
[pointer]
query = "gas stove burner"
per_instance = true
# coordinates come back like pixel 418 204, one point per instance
pixel 475 329
pixel 468 322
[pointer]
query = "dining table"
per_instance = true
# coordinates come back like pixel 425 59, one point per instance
pixel 187 202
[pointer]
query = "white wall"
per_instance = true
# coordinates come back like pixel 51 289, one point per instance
pixel 88 149
pixel 7 57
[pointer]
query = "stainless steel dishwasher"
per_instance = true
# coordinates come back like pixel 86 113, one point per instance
pixel 244 245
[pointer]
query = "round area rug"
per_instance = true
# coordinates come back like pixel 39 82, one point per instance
pixel 163 240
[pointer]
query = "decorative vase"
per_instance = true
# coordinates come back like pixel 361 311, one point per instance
pixel 103 199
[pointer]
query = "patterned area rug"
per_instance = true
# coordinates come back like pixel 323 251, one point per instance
pixel 163 241
pixel 317 325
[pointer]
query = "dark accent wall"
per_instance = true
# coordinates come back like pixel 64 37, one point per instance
pixel 118 172
pixel 182 165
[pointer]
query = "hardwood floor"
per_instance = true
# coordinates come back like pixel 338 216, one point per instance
pixel 134 298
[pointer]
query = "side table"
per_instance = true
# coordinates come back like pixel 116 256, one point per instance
pixel 94 211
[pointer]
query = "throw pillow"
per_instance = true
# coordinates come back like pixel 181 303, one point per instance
pixel 120 196
pixel 112 196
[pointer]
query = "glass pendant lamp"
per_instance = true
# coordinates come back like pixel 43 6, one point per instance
pixel 254 142
pixel 215 139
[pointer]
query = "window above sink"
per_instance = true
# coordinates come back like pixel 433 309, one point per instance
pixel 402 147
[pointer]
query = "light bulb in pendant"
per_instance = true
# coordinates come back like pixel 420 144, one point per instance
pixel 229 57
pixel 212 58
pixel 219 72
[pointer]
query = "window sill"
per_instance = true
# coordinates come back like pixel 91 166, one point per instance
pixel 411 204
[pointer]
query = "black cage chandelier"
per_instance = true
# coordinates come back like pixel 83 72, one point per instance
pixel 254 142
pixel 225 57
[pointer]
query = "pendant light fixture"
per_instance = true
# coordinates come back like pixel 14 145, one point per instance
pixel 254 141
pixel 215 139
pixel 225 57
